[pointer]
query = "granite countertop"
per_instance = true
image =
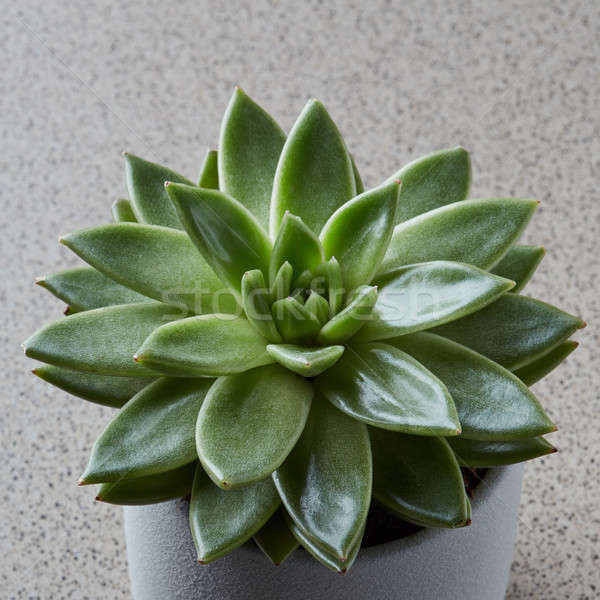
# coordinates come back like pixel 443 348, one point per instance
pixel 517 83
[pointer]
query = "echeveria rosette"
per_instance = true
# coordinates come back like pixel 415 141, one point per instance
pixel 286 346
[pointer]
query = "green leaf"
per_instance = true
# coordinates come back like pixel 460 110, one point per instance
pixel 122 212
pixel 159 262
pixel 103 340
pixel 100 389
pixel 256 300
pixel 432 181
pixel 223 520
pixel 318 306
pixel 249 424
pixel 360 188
pixel 227 235
pixel 150 489
pixel 314 175
pixel 519 264
pixel 282 286
pixel 325 483
pixel 424 295
pixel 209 172
pixel 492 403
pixel 250 145
pixel 146 185
pixel 84 288
pixel 382 386
pixel 476 232
pixel 153 433
pixel 359 232
pixel 295 323
pixel 332 274
pixel 536 370
pixel 419 479
pixel 308 362
pixel 206 345
pixel 296 244
pixel 275 538
pixel 513 331
pixel 477 453
pixel 347 322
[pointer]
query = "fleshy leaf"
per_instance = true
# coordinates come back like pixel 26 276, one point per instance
pixel 153 433
pixel 432 181
pixel 295 323
pixel 84 288
pixel 360 188
pixel 146 185
pixel 250 145
pixel 476 232
pixel 296 244
pixel 325 483
pixel 100 389
pixel 332 273
pixel 159 262
pixel 206 345
pixel 536 370
pixel 209 172
pixel 314 176
pixel 282 286
pixel 223 520
pixel 519 264
pixel 256 300
pixel 421 296
pixel 150 489
pixel 308 362
pixel 122 212
pixel 492 403
pixel 419 479
pixel 275 539
pixel 103 340
pixel 227 235
pixel 358 233
pixel 478 453
pixel 347 322
pixel 513 331
pixel 385 387
pixel 250 422
pixel 318 306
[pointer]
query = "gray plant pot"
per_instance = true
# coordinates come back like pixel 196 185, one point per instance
pixel 462 564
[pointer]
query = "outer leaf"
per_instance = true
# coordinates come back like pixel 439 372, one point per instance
pixel 275 539
pixel 513 331
pixel 296 324
pixel 432 181
pixel 223 520
pixel 146 185
pixel 250 144
pixel 314 175
pixel 150 489
pixel 100 389
pixel 228 236
pixel 382 386
pixel 477 232
pixel 296 244
pixel 476 453
pixel 318 306
pixel 84 288
pixel 359 232
pixel 159 262
pixel 347 322
pixel 249 424
pixel 206 345
pixel 424 295
pixel 282 286
pixel 519 264
pixel 419 479
pixel 492 403
pixel 103 340
pixel 153 433
pixel 308 362
pixel 536 370
pixel 256 299
pixel 209 172
pixel 122 212
pixel 325 483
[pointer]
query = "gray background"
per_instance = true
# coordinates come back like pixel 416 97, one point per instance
pixel 517 83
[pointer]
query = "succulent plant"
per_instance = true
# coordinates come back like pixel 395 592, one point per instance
pixel 287 347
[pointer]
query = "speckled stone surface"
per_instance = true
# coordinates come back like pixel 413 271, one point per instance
pixel 517 83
